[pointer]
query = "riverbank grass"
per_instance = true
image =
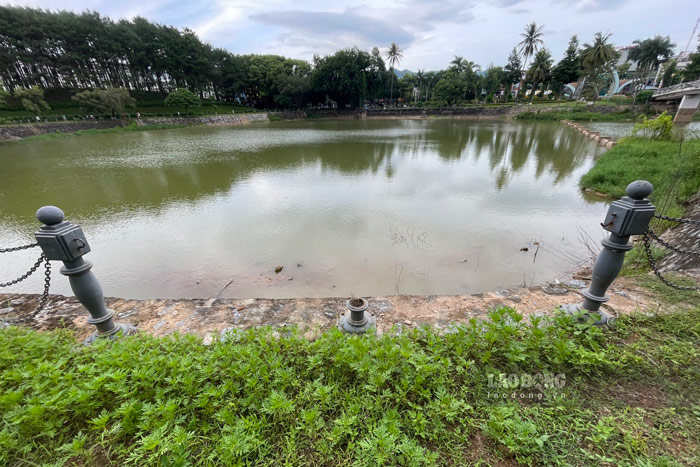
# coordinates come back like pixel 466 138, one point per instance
pixel 546 391
pixel 581 115
pixel 673 168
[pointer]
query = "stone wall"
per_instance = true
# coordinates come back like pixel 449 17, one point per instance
pixel 209 120
pixel 14 132
pixel 472 112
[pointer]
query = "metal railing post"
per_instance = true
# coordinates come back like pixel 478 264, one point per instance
pixel 63 241
pixel 626 217
pixel 356 321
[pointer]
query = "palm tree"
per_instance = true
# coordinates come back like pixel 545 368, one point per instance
pixel 529 45
pixel 596 59
pixel 431 79
pixel 394 54
pixel 540 69
pixel 458 64
pixel 420 76
pixel 471 68
pixel 464 68
pixel 650 53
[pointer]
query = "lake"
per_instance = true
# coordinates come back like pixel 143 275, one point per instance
pixel 347 207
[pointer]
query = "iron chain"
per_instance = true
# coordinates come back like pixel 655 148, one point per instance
pixel 652 262
pixel 25 275
pixel 47 284
pixel 677 219
pixel 671 247
pixel 47 279
pixel 18 248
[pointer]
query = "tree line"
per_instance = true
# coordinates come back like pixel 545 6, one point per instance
pixel 96 57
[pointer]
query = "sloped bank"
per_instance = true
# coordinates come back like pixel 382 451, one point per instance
pixel 18 132
pixel 209 318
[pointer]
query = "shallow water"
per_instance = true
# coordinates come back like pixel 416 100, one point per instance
pixel 346 207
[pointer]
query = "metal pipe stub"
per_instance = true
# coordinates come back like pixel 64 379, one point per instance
pixel 357 321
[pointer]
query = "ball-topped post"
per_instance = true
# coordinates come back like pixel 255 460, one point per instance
pixel 50 215
pixel 61 240
pixel 639 189
pixel 628 216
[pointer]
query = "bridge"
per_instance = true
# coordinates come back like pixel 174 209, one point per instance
pixel 689 93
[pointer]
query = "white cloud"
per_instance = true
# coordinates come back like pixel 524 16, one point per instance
pixel 430 32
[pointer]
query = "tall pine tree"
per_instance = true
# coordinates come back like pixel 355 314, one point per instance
pixel 568 69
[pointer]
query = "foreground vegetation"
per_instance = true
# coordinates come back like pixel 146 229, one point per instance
pixel 624 396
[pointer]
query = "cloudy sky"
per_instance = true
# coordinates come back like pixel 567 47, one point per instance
pixel 431 32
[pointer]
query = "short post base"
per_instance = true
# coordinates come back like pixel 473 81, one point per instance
pixel 357 321
pixel 120 330
pixel 356 327
pixel 576 308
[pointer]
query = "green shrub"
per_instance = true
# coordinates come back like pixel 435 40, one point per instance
pixel 643 97
pixel 659 128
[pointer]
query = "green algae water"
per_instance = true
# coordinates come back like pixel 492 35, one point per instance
pixel 349 207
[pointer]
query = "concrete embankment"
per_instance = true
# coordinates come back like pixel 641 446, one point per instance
pixel 466 112
pixel 15 132
pixel 208 318
pixel 605 141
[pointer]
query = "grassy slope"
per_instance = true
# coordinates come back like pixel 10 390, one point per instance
pixel 631 397
pixel 675 174
pixel 71 111
pixel 118 129
pixel 581 115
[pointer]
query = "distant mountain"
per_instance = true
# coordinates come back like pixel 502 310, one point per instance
pixel 400 73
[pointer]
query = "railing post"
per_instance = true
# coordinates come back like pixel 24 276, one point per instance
pixel 356 321
pixel 61 240
pixel 626 217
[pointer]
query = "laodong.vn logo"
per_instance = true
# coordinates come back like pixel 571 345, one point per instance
pixel 526 385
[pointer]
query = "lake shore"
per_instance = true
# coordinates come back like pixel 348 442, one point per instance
pixel 49 130
pixel 209 318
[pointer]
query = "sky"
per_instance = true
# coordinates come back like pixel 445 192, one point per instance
pixel 430 32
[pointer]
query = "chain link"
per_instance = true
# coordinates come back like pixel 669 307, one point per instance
pixel 47 284
pixel 18 248
pixel 677 219
pixel 27 274
pixel 47 279
pixel 671 247
pixel 652 262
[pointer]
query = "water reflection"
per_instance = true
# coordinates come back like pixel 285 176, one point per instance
pixel 222 203
pixel 158 169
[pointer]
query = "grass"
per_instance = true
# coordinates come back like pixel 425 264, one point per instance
pixel 10 116
pixel 118 129
pixel 674 173
pixel 625 396
pixel 666 294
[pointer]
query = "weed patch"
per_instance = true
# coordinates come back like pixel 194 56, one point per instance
pixel 420 398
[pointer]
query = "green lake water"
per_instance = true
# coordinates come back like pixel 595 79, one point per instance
pixel 346 207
